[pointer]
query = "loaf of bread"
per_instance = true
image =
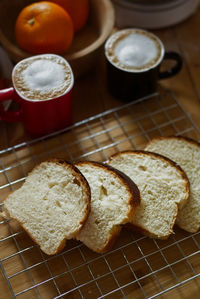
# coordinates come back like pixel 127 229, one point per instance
pixel 163 187
pixel 146 190
pixel 52 204
pixel 114 198
pixel 186 153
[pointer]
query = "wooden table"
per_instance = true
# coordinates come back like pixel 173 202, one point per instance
pixel 90 98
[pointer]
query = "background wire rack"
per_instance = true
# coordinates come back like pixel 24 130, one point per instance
pixel 137 266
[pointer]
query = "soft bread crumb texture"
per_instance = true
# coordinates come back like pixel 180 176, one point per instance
pixel 51 205
pixel 186 153
pixel 110 206
pixel 162 187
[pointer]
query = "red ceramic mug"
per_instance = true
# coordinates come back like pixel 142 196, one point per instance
pixel 51 113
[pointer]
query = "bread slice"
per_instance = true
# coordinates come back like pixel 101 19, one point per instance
pixel 185 152
pixel 163 188
pixel 114 198
pixel 52 204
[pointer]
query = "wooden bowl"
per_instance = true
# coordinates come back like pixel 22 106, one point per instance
pixel 87 43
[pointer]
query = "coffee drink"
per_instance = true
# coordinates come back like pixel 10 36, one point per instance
pixel 42 77
pixel 134 50
pixel 133 63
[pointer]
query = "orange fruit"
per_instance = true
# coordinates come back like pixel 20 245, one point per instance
pixel 77 9
pixel 44 27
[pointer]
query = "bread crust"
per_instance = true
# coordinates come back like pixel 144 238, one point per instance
pixel 134 199
pixel 84 182
pixel 111 239
pixel 183 138
pixel 137 228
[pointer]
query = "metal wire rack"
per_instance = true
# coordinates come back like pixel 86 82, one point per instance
pixel 137 266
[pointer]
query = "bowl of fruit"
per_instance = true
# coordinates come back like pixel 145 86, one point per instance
pixel 74 29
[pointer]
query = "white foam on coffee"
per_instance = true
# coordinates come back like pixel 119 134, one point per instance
pixel 42 77
pixel 133 50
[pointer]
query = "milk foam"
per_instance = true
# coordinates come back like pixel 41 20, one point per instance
pixel 133 49
pixel 42 77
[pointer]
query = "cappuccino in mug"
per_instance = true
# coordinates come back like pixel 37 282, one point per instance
pixel 133 59
pixel 42 77
pixel 134 50
pixel 43 88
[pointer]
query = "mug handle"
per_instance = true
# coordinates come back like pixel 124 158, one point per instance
pixel 170 55
pixel 9 116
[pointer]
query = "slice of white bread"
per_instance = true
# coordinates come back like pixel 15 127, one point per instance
pixel 163 188
pixel 52 204
pixel 114 198
pixel 186 153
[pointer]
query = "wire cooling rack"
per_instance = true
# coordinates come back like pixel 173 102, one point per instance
pixel 137 266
